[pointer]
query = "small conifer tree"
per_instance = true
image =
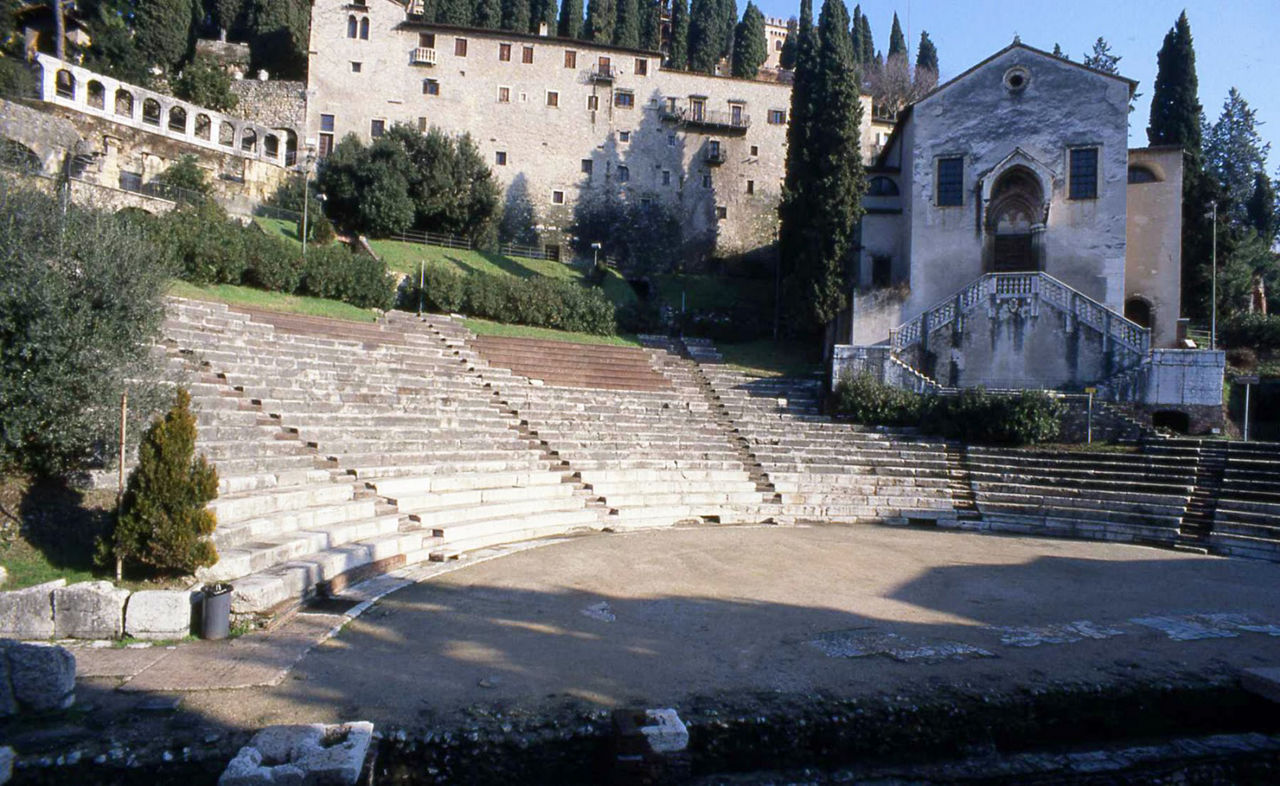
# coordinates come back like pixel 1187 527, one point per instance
pixel 163 522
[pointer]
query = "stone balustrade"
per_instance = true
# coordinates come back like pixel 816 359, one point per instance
pixel 68 85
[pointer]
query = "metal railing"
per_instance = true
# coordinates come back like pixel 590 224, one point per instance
pixel 603 73
pixel 1029 290
pixel 433 239
pixel 693 116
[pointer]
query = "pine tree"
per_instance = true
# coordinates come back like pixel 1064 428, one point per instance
pixel 163 521
pixel 678 56
pixel 855 34
pixel 897 41
pixel 787 57
pixel 626 27
pixel 487 14
pixel 927 54
pixel 164 32
pixel 570 24
pixel 1260 210
pixel 650 25
pixel 1101 58
pixel 1234 152
pixel 704 36
pixel 601 15
pixel 515 15
pixel 1175 120
pixel 1057 51
pixel 750 49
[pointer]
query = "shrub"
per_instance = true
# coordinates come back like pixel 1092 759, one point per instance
pixel 207 245
pixel 973 415
pixel 1260 332
pixel 80 305
pixel 321 230
pixel 271 263
pixel 337 273
pixel 203 83
pixel 538 302
pixel 184 180
pixel 163 521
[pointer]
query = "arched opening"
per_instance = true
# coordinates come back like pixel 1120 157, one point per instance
pixel 271 146
pixel 1171 419
pixel 64 84
pixel 178 120
pixel 352 26
pixel 226 134
pixel 16 155
pixel 1142 174
pixel 364 29
pixel 1137 309
pixel 151 112
pixel 124 103
pixel 1015 219
pixel 204 126
pixel 290 147
pixel 881 186
pixel 97 95
pixel 249 140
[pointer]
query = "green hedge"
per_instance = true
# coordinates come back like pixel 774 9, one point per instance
pixel 1260 332
pixel 537 302
pixel 207 247
pixel 973 416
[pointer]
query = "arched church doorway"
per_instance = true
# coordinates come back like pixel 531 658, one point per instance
pixel 1015 219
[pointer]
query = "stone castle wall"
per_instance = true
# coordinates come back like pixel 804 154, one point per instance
pixel 275 103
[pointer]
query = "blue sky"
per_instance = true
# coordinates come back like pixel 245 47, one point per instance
pixel 1237 42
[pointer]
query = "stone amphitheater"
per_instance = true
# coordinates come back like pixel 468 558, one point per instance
pixel 349 450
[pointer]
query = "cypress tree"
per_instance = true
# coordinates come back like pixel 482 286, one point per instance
pixel 868 43
pixel 839 182
pixel 1101 59
pixel 570 25
pixel 163 31
pixel 927 54
pixel 163 520
pixel 787 57
pixel 855 34
pixel 542 11
pixel 678 57
pixel 750 49
pixel 728 24
pixel 704 36
pixel 1261 208
pixel 601 15
pixel 487 14
pixel 1175 120
pixel 650 25
pixel 515 15
pixel 626 27
pixel 897 41
pixel 794 235
pixel 454 12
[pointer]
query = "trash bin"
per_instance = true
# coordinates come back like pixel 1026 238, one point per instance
pixel 215 611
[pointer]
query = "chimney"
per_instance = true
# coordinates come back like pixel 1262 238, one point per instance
pixel 542 29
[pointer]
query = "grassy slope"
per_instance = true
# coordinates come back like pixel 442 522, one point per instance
pixel 766 358
pixel 271 301
pixel 276 227
pixel 405 258
pixel 715 292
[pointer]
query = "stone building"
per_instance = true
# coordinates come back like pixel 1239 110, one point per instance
pixel 1013 240
pixel 560 121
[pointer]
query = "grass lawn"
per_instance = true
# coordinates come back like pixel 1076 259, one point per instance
pixel 271 301
pixel 715 292
pixel 483 327
pixel 49 531
pixel 405 258
pixel 767 358
pixel 278 227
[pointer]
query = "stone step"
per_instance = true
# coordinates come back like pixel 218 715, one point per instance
pixel 238 507
pixel 424 501
pixel 285 521
pixel 258 555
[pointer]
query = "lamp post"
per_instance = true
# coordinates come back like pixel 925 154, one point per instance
pixel 1213 313
pixel 595 257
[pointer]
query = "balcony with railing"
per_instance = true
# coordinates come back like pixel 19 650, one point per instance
pixel 603 72
pixel 715 156
pixel 735 122
pixel 423 56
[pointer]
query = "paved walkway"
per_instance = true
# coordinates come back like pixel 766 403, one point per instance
pixel 659 617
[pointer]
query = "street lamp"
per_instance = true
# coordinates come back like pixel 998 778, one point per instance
pixel 595 255
pixel 308 161
pixel 1213 313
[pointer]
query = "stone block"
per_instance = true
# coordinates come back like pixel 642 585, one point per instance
pixel 89 610
pixel 158 614
pixel 43 676
pixel 306 755
pixel 28 613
